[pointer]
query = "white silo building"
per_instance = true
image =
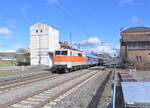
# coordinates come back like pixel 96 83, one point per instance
pixel 43 39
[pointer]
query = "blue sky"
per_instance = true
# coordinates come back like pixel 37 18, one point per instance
pixel 99 20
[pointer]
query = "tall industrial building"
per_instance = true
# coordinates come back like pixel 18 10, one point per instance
pixel 135 47
pixel 43 40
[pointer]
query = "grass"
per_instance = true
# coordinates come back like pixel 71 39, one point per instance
pixel 19 70
pixel 6 63
pixel 7 54
pixel 82 105
pixel 9 64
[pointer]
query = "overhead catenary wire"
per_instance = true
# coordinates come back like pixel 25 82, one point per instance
pixel 59 6
pixel 11 15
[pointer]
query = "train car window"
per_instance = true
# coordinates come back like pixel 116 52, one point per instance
pixel 63 52
pixel 79 54
pixel 57 52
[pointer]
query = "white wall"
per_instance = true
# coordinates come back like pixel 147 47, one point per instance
pixel 42 42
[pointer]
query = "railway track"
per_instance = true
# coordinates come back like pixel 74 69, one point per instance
pixel 14 79
pixel 13 83
pixel 44 98
pixel 38 100
pixel 18 84
pixel 23 96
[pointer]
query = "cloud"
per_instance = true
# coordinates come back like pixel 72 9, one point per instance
pixel 52 1
pixel 135 20
pixel 90 41
pixel 94 44
pixel 12 47
pixel 109 48
pixel 8 50
pixel 128 2
pixel 23 9
pixel 4 31
pixel 1 45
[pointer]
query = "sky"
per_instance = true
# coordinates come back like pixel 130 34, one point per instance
pixel 92 23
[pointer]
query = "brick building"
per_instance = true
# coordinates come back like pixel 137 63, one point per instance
pixel 135 47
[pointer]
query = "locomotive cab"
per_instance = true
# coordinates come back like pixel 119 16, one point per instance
pixel 65 60
pixel 60 61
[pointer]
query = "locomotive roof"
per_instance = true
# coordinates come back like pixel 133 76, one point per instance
pixel 62 49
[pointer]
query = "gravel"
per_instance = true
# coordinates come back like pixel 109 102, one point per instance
pixel 106 96
pixel 82 97
pixel 56 91
pixel 22 76
pixel 140 75
pixel 36 86
pixel 15 70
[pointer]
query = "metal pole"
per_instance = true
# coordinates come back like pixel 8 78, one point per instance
pixel 114 89
pixel 70 39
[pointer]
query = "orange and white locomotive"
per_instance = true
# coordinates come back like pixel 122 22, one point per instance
pixel 65 60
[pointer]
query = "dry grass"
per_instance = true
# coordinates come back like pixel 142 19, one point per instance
pixel 5 63
pixel 9 71
pixel 7 54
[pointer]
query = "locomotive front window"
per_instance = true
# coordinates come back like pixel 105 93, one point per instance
pixel 63 52
pixel 60 52
pixel 79 54
pixel 57 52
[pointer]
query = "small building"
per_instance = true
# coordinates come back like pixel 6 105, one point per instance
pixel 135 47
pixel 43 39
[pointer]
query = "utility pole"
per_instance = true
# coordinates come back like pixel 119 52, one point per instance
pixel 79 45
pixel 70 39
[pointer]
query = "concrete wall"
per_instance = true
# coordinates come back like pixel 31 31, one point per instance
pixel 43 39
pixel 122 54
pixel 135 36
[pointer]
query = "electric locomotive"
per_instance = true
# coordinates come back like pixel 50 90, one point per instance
pixel 66 60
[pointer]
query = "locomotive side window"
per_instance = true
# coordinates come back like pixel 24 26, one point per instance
pixel 79 54
pixel 57 52
pixel 63 52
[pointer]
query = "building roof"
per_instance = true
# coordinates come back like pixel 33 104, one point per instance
pixel 136 29
pixel 136 92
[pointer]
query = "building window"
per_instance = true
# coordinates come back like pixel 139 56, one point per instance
pixel 140 58
pixel 36 31
pixel 41 30
pixel 137 58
